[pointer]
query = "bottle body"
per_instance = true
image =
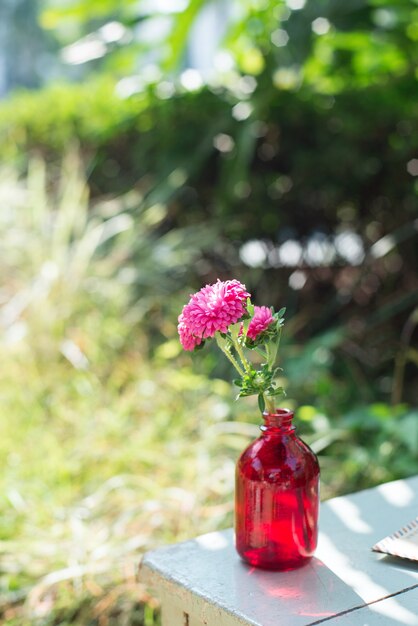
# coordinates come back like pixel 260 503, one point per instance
pixel 277 497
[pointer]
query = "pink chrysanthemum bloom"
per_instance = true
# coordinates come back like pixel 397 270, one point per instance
pixel 213 308
pixel 187 340
pixel 261 320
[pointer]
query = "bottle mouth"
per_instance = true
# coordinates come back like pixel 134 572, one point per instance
pixel 281 413
pixel 281 420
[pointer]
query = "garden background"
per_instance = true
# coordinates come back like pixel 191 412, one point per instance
pixel 146 149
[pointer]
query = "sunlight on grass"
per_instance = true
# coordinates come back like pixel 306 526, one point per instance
pixel 105 453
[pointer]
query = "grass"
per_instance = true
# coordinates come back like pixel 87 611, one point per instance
pixel 105 451
pixel 109 448
pixel 96 471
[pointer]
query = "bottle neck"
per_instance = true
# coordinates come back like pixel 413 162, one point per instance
pixel 279 422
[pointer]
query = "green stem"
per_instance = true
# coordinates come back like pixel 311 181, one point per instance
pixel 268 356
pixel 230 357
pixel 261 353
pixel 272 355
pixel 241 355
pixel 278 343
pixel 269 400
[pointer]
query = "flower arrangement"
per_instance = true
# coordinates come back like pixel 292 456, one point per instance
pixel 224 312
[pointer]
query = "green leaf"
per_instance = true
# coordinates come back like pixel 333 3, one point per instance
pixel 261 402
pixel 234 330
pixel 408 431
pixel 178 37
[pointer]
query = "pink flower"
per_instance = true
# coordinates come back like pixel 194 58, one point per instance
pixel 188 341
pixel 213 308
pixel 261 320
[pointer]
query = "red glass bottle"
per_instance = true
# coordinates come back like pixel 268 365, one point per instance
pixel 277 497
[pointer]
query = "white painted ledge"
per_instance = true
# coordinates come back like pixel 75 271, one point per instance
pixel 204 582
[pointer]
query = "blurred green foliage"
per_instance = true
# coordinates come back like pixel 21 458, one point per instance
pixel 101 445
pixel 293 168
pixel 320 174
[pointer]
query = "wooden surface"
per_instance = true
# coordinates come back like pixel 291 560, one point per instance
pixel 204 582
